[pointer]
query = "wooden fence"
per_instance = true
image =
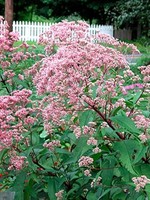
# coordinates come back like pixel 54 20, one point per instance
pixel 123 34
pixel 30 31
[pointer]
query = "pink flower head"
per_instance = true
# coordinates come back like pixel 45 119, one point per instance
pixel 52 145
pixel 85 161
pixel 92 141
pixel 17 162
pixel 140 182
pixel 87 172
pixel 59 195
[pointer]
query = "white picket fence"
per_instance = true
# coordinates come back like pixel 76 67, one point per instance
pixel 30 31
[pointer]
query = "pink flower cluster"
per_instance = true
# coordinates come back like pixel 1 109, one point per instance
pixel 78 74
pixel 59 195
pixel 96 182
pixel 121 46
pixel 97 150
pixel 142 122
pixel 17 162
pixel 120 103
pixel 86 130
pixel 13 112
pixel 144 137
pixel 11 56
pixel 140 182
pixel 6 38
pixel 92 141
pixel 65 75
pixel 63 33
pixel 87 172
pixel 131 87
pixel 52 145
pixel 145 71
pixel 19 56
pixel 85 161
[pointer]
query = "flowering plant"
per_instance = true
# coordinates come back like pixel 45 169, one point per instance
pixel 77 130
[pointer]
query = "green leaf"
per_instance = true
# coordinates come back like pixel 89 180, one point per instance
pixel 125 149
pixel 43 134
pixel 18 186
pixel 2 154
pixel 120 196
pixel 125 175
pixel 145 169
pixel 147 189
pixel 140 153
pixel 104 193
pixel 126 123
pixel 114 192
pixel 107 175
pixel 91 196
pixel 61 151
pixel 136 97
pixel 35 138
pixel 29 190
pixel 142 197
pixel 54 186
pixel 146 113
pixel 86 117
pixel 78 151
pixel 52 189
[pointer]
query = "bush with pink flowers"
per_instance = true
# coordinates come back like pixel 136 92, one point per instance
pixel 75 124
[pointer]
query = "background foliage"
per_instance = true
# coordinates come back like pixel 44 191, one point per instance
pixel 132 14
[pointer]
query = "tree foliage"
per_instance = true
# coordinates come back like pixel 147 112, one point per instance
pixel 131 14
pixel 122 14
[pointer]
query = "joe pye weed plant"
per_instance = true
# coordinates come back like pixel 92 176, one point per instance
pixel 76 126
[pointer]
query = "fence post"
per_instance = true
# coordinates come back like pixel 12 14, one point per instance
pixel 27 31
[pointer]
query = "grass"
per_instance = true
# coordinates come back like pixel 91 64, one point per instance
pixel 28 42
pixel 143 44
pixel 38 50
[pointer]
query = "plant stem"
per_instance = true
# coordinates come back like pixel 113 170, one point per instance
pixel 108 121
pixel 4 82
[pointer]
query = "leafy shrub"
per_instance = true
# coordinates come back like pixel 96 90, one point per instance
pixel 73 128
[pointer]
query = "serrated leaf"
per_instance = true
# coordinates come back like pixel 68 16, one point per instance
pixel 107 175
pixel 125 149
pixel 141 153
pixel 126 123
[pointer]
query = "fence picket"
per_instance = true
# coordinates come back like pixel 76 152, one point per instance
pixel 30 31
